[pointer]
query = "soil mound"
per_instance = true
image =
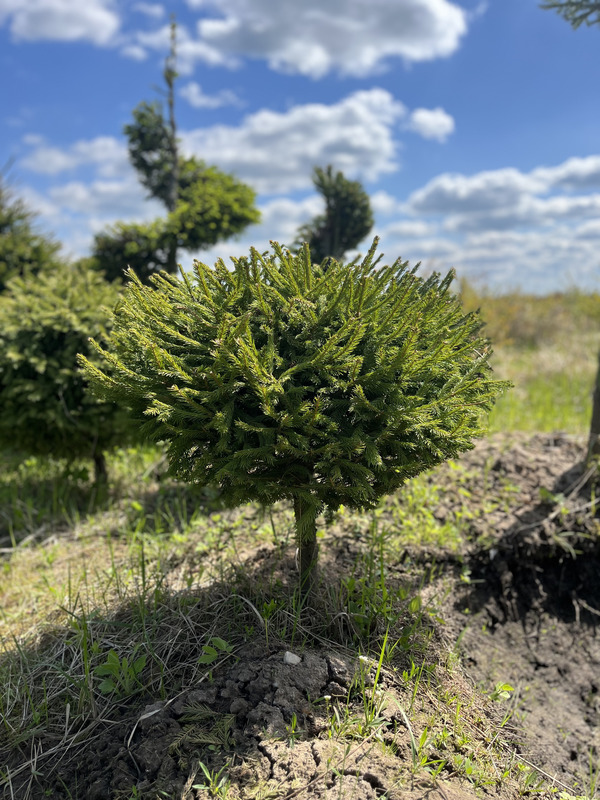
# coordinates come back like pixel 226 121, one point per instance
pixel 527 610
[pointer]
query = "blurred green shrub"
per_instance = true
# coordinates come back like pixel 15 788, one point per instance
pixel 45 406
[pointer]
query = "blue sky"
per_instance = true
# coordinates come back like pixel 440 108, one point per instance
pixel 474 126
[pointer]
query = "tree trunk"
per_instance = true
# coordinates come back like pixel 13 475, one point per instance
pixel 593 449
pixel 170 75
pixel 172 255
pixel 100 471
pixel 306 537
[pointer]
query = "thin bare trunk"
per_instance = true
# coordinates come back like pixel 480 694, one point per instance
pixel 170 75
pixel 306 537
pixel 100 471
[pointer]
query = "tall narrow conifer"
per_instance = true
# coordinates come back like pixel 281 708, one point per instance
pixel 204 205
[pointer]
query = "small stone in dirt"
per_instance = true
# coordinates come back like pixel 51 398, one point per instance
pixel 195 697
pixel 334 689
pixel 312 677
pixel 269 718
pixel 151 716
pixel 291 658
pixel 341 669
pixel 239 706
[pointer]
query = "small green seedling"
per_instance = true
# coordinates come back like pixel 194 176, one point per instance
pixel 212 651
pixel 502 691
pixel 121 675
pixel 216 783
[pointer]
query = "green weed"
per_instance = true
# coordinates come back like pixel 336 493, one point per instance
pixel 120 675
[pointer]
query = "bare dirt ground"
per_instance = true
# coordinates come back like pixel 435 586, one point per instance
pixel 530 613
pixel 520 604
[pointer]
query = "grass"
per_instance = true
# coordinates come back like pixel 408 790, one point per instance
pixel 548 347
pixel 121 606
pixel 124 607
pixel 109 601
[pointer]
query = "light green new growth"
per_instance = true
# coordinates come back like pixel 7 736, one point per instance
pixel 284 379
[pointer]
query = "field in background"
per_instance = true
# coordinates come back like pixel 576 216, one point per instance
pixel 548 347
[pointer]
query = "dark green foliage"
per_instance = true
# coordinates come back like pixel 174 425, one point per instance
pixel 347 219
pixel 151 150
pixel 285 379
pixel 22 250
pixel 576 12
pixel 46 407
pixel 204 205
pixel 144 248
pixel 211 206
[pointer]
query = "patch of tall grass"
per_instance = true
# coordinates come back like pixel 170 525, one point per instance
pixel 548 347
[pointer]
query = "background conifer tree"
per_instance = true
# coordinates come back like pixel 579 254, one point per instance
pixel 203 204
pixel 45 320
pixel 348 217
pixel 22 250
pixel 287 379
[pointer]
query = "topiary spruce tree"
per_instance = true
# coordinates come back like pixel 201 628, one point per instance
pixel 203 204
pixel 348 217
pixel 45 320
pixel 286 379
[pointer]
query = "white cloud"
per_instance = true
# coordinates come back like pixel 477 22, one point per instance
pixel 354 37
pixel 527 212
pixel 536 261
pixel 385 204
pixel 507 199
pixel 135 52
pixel 107 154
pixel 193 93
pixel 282 217
pixel 273 151
pixel 61 20
pixel 409 228
pixel 276 151
pixel 153 10
pixel 189 50
pixel 589 230
pixel 75 211
pixel 538 230
pixel 39 205
pixel 33 139
pixel 107 200
pixel 432 123
pixel 575 173
pixel 452 192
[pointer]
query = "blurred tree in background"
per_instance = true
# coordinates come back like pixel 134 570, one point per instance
pixel 203 204
pixel 348 217
pixel 45 321
pixel 22 250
